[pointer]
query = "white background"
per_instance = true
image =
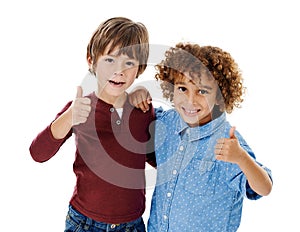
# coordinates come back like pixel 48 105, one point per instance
pixel 42 52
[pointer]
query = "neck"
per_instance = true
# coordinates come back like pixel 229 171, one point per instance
pixel 116 101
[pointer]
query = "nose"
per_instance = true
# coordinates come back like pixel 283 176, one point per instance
pixel 119 69
pixel 118 73
pixel 191 98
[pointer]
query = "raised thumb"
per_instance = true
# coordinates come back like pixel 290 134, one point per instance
pixel 79 92
pixel 231 133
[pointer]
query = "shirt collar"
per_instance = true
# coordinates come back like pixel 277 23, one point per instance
pixel 199 132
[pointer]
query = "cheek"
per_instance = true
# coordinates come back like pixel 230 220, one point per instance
pixel 133 71
pixel 131 74
pixel 177 98
pixel 103 69
pixel 211 102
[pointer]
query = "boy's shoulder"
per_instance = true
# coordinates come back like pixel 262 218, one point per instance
pixel 166 115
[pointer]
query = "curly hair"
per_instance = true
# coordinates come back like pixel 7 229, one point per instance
pixel 195 59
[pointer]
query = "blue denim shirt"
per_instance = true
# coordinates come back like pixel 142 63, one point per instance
pixel 194 191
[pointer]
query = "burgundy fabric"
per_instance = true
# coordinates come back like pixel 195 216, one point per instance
pixel 109 160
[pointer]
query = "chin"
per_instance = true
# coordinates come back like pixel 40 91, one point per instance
pixel 191 123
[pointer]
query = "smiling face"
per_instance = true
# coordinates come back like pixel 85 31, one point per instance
pixel 115 72
pixel 195 102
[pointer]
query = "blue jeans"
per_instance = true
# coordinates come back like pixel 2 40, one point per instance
pixel 77 222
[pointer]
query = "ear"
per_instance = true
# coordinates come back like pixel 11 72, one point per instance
pixel 219 99
pixel 220 102
pixel 90 61
pixel 90 64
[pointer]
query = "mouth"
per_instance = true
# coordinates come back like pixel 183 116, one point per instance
pixel 116 83
pixel 190 112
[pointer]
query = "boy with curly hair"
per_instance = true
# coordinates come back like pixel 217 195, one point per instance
pixel 204 166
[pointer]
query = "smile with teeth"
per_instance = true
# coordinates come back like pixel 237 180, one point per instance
pixel 190 112
pixel 116 82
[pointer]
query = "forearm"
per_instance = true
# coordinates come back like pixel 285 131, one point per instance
pixel 62 125
pixel 48 141
pixel 257 177
pixel 45 146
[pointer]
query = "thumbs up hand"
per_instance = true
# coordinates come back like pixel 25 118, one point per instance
pixel 229 149
pixel 81 108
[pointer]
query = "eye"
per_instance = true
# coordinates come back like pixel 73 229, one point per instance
pixel 203 91
pixel 130 63
pixel 181 89
pixel 109 60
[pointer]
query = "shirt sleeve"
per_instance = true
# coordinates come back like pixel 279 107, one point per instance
pixel 239 180
pixel 45 146
pixel 159 112
pixel 150 157
pixel 252 195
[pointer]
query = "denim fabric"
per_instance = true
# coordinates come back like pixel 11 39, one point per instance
pixel 194 191
pixel 77 222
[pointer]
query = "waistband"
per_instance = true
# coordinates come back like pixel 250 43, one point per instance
pixel 87 222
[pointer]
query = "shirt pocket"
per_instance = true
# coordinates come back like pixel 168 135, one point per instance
pixel 201 177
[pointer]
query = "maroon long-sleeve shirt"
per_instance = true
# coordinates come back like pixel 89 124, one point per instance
pixel 109 161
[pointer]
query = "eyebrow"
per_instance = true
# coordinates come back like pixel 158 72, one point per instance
pixel 117 55
pixel 202 86
pixel 111 54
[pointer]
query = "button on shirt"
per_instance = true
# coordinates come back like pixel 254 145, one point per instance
pixel 109 165
pixel 194 191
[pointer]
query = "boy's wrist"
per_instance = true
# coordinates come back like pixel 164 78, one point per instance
pixel 244 159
